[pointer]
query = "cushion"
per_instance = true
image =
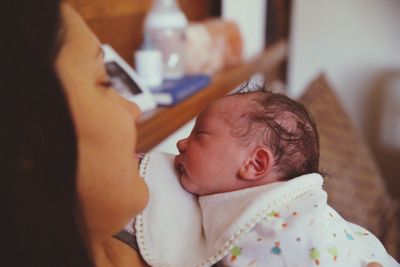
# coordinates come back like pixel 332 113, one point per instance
pixel 354 184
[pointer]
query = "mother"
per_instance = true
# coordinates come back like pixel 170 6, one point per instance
pixel 69 175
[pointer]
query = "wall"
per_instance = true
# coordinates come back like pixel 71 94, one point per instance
pixel 250 15
pixel 356 43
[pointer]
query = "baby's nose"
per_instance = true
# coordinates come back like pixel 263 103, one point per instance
pixel 181 145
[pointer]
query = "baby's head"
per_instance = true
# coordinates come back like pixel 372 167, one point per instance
pixel 246 140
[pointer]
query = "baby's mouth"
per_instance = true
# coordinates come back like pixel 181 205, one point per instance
pixel 180 168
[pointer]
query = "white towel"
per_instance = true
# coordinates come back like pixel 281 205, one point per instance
pixel 169 231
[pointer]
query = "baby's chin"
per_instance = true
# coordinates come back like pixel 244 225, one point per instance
pixel 188 185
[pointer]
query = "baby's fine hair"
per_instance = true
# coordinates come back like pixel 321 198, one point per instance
pixel 286 127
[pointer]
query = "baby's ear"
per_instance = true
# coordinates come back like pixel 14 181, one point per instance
pixel 258 164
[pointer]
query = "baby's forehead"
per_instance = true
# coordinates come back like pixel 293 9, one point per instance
pixel 235 104
pixel 232 109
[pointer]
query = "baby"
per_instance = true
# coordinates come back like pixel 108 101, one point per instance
pixel 250 164
pixel 246 140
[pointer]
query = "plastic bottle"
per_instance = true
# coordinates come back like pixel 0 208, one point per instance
pixel 164 28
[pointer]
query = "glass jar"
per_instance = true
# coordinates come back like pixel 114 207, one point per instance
pixel 164 29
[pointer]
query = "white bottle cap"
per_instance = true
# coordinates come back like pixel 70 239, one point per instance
pixel 175 20
pixel 148 64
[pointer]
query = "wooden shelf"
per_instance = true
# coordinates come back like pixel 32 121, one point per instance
pixel 158 124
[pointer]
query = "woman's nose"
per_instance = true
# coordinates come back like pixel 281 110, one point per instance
pixel 132 107
pixel 181 145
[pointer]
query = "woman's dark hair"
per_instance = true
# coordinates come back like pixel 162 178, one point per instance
pixel 286 127
pixel 38 157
